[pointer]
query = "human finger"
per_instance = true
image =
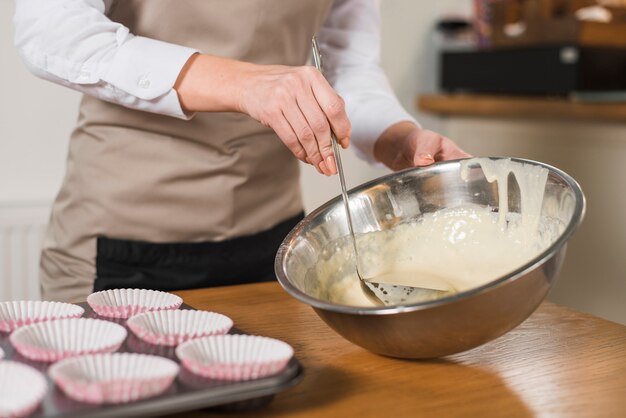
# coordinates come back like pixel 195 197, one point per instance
pixel 451 151
pixel 321 129
pixel 431 146
pixel 305 136
pixel 333 107
pixel 427 146
pixel 286 134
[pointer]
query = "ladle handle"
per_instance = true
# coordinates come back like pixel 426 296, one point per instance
pixel 317 59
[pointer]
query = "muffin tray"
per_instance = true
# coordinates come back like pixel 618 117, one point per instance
pixel 189 392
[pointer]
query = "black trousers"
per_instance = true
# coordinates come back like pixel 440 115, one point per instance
pixel 177 266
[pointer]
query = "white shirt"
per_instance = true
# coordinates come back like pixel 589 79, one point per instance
pixel 88 52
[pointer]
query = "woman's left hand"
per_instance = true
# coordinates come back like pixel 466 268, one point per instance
pixel 404 145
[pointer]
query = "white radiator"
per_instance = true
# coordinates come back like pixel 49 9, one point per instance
pixel 22 228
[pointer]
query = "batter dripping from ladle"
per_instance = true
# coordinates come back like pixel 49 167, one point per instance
pixel 453 249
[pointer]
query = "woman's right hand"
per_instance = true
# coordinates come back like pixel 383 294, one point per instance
pixel 296 102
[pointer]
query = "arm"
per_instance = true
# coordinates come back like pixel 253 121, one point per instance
pixel 296 102
pixel 382 130
pixel 74 44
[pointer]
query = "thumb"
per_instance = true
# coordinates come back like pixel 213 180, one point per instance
pixel 423 159
pixel 427 147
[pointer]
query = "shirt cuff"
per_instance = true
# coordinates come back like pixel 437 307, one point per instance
pixel 147 69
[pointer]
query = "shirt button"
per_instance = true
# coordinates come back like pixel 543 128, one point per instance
pixel 144 83
pixel 84 74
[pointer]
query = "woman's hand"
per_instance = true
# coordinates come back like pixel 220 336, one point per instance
pixel 296 102
pixel 404 145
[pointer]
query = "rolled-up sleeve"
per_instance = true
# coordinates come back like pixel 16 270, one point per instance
pixel 350 44
pixel 73 43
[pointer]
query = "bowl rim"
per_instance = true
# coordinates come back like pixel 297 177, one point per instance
pixel 555 247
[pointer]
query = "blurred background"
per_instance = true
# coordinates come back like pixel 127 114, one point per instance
pixel 538 79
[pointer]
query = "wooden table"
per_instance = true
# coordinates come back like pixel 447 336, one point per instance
pixel 559 363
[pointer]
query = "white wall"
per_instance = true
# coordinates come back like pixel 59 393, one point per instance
pixel 36 118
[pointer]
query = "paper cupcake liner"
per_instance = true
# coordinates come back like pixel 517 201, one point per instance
pixel 21 389
pixel 173 327
pixel 54 340
pixel 114 378
pixel 16 314
pixel 235 357
pixel 123 303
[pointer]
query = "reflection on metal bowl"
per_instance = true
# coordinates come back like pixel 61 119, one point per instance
pixel 442 326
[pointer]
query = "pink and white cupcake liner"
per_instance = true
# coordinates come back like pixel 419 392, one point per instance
pixel 14 314
pixel 54 340
pixel 114 378
pixel 235 357
pixel 173 327
pixel 123 303
pixel 22 389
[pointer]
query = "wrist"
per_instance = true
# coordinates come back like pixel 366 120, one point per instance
pixel 210 84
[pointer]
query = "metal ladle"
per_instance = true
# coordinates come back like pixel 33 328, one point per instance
pixel 379 293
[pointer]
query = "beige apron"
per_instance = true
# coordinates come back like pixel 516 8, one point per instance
pixel 141 176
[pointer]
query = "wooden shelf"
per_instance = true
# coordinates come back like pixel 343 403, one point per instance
pixel 521 107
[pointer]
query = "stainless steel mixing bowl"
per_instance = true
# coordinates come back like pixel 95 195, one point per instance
pixel 439 327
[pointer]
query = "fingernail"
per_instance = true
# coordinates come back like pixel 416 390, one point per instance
pixel 323 168
pixel 331 164
pixel 425 159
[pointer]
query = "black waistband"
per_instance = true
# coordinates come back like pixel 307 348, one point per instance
pixel 172 266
